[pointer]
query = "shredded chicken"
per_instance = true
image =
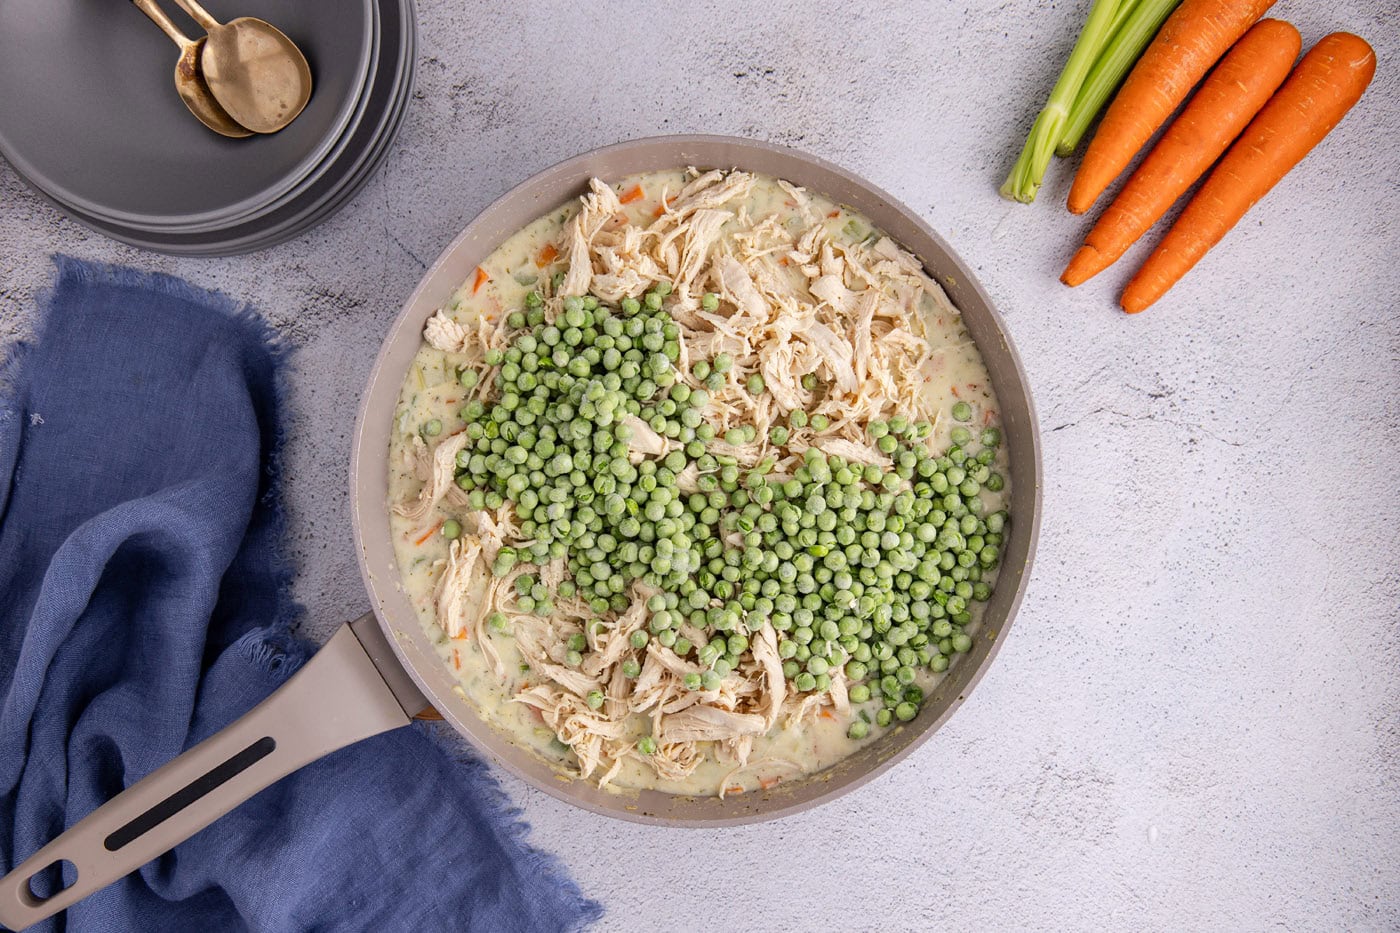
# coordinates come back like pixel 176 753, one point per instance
pixel 574 723
pixel 735 749
pixel 494 531
pixel 700 234
pixel 854 451
pixel 739 288
pixel 701 723
pixel 532 638
pixel 444 469
pixel 861 333
pixel 443 333
pixel 801 710
pixel 840 698
pixel 765 652
pixel 454 589
pixel 645 442
pixel 675 761
pixel 608 649
pixel 418 458
pixel 483 638
pixel 835 351
pixel 552 573
pixel 597 208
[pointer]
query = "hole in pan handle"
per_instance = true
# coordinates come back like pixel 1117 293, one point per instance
pixel 351 689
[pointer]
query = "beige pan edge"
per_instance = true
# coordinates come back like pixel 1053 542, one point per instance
pixel 552 188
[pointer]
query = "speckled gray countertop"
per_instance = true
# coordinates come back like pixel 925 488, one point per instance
pixel 1196 721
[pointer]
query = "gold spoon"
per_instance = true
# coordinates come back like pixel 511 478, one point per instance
pixel 254 71
pixel 188 82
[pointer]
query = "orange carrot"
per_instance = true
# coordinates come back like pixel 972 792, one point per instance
pixel 1326 84
pixel 632 194
pixel 481 279
pixel 547 255
pixel 429 533
pixel 1226 102
pixel 1189 43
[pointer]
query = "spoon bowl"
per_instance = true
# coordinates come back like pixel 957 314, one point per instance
pixel 189 79
pixel 257 74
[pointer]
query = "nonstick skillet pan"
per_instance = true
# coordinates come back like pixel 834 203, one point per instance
pixel 380 671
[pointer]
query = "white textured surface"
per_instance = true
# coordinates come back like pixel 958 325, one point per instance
pixel 1194 723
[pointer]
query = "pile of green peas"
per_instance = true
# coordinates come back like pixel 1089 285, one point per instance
pixel 867 569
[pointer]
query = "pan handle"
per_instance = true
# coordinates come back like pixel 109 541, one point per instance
pixel 338 698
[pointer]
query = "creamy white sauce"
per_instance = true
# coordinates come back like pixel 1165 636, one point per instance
pixel 431 392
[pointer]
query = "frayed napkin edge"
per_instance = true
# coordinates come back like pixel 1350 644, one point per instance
pixel 73 270
pixel 275 649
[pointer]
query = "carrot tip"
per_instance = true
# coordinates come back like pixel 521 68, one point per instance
pixel 1086 264
pixel 1134 303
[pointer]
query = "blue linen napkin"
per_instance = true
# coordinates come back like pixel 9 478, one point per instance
pixel 143 606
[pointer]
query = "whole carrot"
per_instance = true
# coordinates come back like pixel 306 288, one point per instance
pixel 1225 103
pixel 1189 43
pixel 1326 84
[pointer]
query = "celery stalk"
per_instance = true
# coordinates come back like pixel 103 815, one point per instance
pixel 1026 175
pixel 1122 51
pixel 1125 10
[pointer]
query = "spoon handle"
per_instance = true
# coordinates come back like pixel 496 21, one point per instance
pixel 199 14
pixel 157 15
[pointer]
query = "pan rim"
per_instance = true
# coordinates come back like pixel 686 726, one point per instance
pixel 569 791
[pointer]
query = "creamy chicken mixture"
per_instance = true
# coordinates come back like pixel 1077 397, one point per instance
pixel 806 351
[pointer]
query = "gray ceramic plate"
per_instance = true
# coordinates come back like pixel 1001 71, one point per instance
pixel 347 139
pixel 89 113
pixel 348 167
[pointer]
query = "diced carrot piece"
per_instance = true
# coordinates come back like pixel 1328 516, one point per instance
pixel 481 279
pixel 429 533
pixel 547 255
pixel 632 194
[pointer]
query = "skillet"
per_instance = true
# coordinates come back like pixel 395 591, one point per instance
pixel 380 671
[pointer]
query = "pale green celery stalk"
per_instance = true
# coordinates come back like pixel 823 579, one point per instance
pixel 1125 10
pixel 1121 53
pixel 1026 175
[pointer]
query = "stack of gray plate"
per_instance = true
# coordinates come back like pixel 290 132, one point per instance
pixel 89 118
